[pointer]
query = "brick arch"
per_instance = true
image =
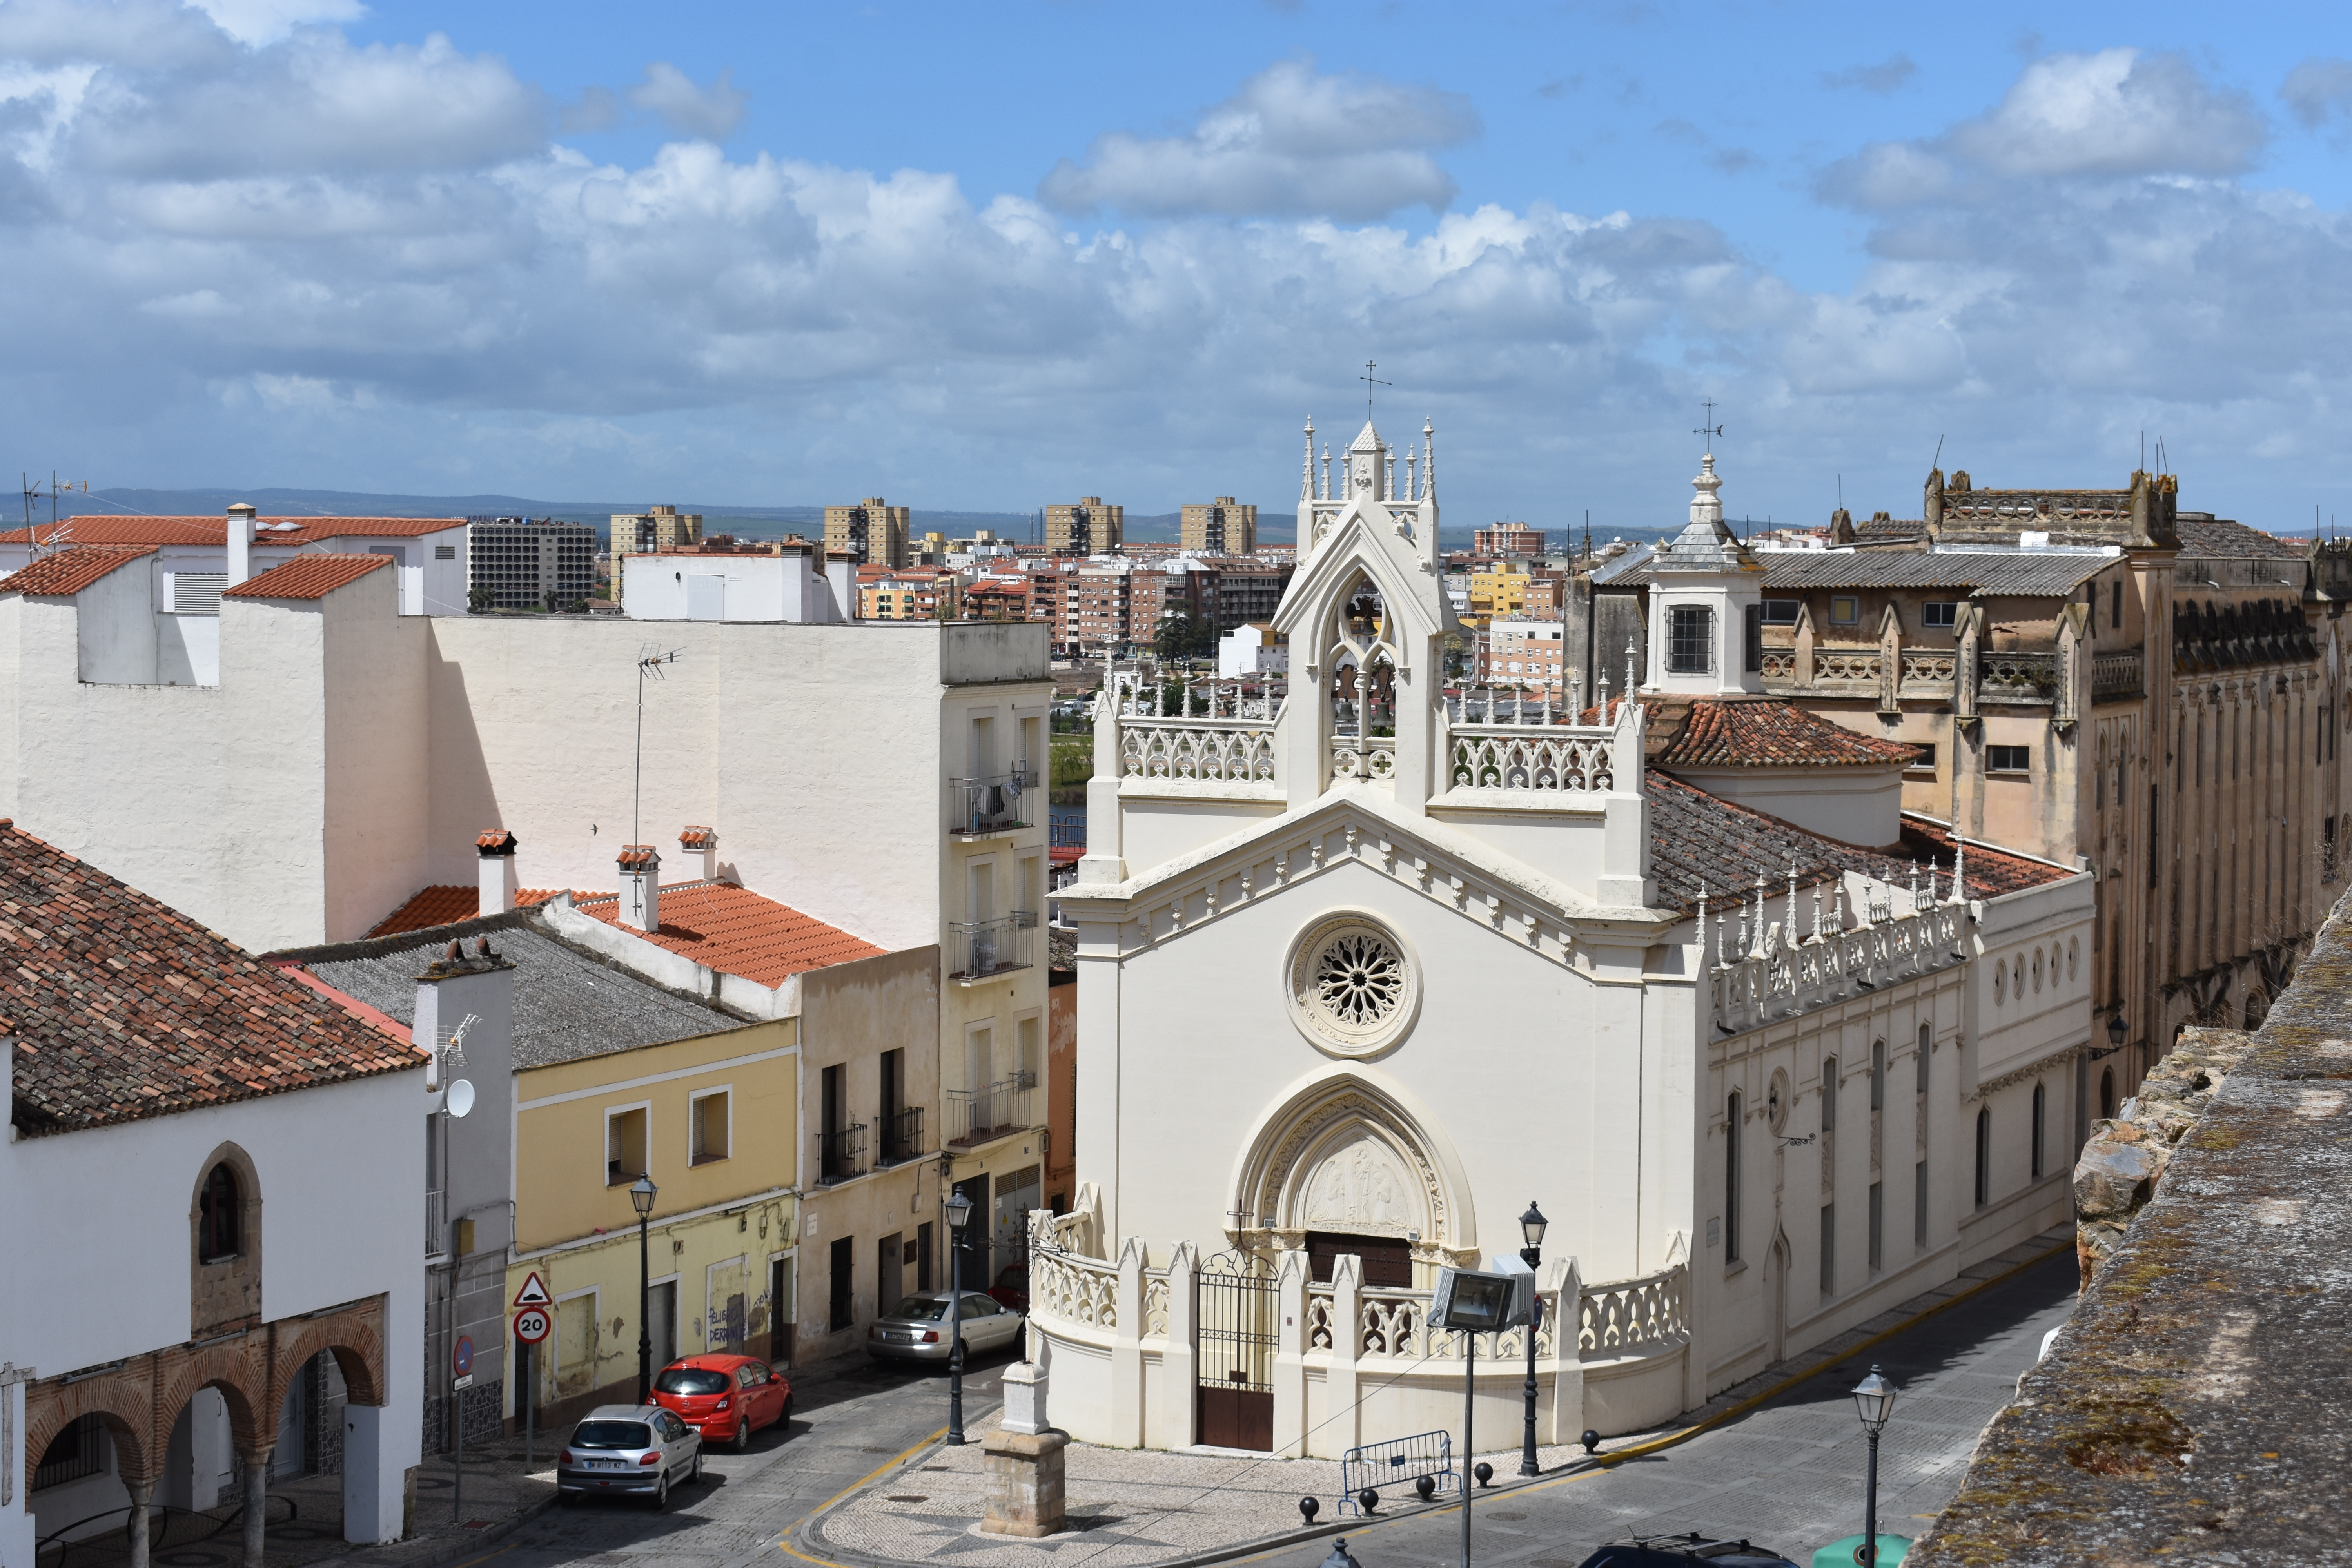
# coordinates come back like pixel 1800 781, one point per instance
pixel 124 1399
pixel 352 1335
pixel 240 1370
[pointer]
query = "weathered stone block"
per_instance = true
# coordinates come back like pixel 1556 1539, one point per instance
pixel 2114 1177
pixel 1024 1483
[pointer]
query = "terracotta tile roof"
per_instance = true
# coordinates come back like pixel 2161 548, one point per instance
pixel 71 571
pixel 633 856
pixel 125 1008
pixel 1716 733
pixel 92 528
pixel 189 531
pixel 498 838
pixel 308 577
pixel 445 903
pixel 737 931
pixel 698 838
pixel 1750 732
pixel 1697 839
pixel 312 529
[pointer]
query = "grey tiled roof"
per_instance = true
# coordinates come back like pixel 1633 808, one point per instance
pixel 568 1004
pixel 1986 573
pixel 2218 538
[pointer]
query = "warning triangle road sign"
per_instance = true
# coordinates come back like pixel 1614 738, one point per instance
pixel 533 1293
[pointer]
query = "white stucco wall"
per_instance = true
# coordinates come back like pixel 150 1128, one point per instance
pixel 342 1172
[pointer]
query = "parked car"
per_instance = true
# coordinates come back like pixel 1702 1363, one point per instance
pixel 918 1329
pixel 1683 1550
pixel 628 1450
pixel 1011 1287
pixel 724 1397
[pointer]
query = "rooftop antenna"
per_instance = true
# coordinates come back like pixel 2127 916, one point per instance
pixel 650 659
pixel 1370 381
pixel 2143 451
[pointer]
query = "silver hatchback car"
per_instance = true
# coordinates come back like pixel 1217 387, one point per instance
pixel 917 1328
pixel 628 1450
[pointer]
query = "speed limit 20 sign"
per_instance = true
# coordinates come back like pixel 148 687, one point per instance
pixel 531 1324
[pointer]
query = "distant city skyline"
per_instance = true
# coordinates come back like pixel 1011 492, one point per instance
pixel 736 253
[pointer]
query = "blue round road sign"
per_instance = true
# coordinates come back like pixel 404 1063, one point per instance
pixel 464 1355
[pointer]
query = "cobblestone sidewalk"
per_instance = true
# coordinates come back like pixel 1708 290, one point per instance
pixel 1135 1508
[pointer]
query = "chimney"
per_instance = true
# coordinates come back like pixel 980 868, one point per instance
pixel 640 888
pixel 240 542
pixel 496 848
pixel 702 841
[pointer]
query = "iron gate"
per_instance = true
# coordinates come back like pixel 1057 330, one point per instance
pixel 1234 1306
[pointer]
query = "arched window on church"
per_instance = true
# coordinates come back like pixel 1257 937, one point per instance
pixel 217 1214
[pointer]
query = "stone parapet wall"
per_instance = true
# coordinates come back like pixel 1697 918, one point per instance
pixel 2126 1158
pixel 2194 1409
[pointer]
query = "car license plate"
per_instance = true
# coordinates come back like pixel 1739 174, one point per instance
pixel 606 1464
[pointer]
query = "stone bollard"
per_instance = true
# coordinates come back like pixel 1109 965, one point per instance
pixel 1024 1460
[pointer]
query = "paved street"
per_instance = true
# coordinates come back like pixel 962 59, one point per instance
pixel 1788 1474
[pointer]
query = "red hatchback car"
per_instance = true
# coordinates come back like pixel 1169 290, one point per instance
pixel 724 1397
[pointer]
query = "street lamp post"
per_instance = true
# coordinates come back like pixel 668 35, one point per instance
pixel 958 1209
pixel 641 1197
pixel 1532 1226
pixel 1874 1399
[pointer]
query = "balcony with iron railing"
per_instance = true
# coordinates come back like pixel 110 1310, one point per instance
pixel 976 1116
pixel 990 803
pixel 901 1135
pixel 983 950
pixel 841 1155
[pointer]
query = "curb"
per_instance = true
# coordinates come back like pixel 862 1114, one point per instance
pixel 806 1538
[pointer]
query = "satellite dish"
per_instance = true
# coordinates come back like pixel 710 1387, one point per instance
pixel 461 1097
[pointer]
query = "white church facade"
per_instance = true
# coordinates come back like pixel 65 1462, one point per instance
pixel 1365 968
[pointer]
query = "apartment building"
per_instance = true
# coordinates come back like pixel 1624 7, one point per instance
pixel 1230 591
pixel 1523 653
pixel 1109 606
pixel 1087 527
pixel 909 594
pixel 1507 539
pixel 1499 588
pixel 2098 674
pixel 1221 527
pixel 528 564
pixel 656 528
pixel 880 777
pixel 873 531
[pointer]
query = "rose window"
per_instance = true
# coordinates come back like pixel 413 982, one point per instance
pixel 1353 986
pixel 1359 980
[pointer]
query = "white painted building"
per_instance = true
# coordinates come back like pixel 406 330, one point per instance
pixel 1359 977
pixel 202 1197
pixel 1252 648
pixel 882 777
pixel 795 584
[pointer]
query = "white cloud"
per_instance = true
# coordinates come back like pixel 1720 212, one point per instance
pixel 1290 143
pixel 333 292
pixel 2115 113
pixel 258 22
pixel 712 111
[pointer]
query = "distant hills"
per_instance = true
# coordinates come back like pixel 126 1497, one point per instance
pixel 1274 526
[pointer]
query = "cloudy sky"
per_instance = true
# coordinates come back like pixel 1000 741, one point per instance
pixel 991 256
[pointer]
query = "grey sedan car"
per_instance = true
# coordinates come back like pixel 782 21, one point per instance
pixel 917 1328
pixel 628 1450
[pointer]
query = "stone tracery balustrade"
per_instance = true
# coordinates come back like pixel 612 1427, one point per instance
pixel 1373 758
pixel 2017 676
pixel 1929 672
pixel 1848 666
pixel 1231 749
pixel 1634 1315
pixel 1772 970
pixel 2115 675
pixel 1571 758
